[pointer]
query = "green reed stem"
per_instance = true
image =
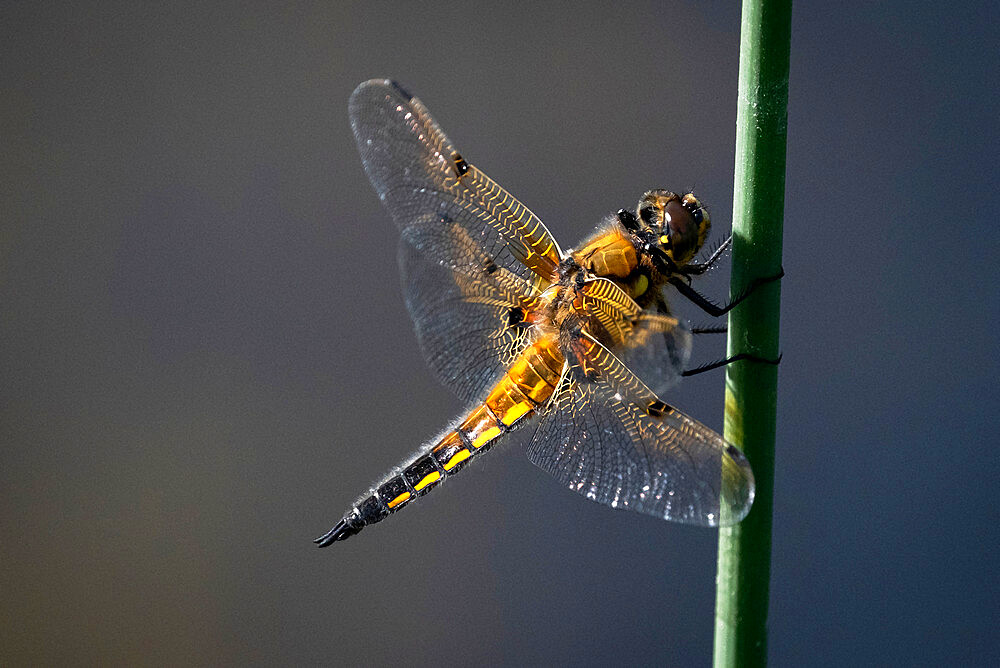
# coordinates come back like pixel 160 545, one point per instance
pixel 751 387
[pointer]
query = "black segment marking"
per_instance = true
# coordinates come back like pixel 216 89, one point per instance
pixel 444 455
pixel 390 490
pixel 419 470
pixel 371 510
pixel 656 408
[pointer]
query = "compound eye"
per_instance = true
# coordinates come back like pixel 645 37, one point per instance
pixel 680 226
pixel 700 217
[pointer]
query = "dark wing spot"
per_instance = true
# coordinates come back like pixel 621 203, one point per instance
pixel 459 164
pixel 656 408
pixel 402 91
pixel 515 316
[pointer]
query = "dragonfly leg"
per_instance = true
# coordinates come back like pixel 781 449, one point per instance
pixel 710 329
pixel 711 307
pixel 729 360
pixel 698 268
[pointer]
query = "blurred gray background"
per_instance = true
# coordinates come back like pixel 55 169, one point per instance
pixel 205 355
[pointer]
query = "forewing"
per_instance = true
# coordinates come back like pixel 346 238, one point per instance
pixel 424 182
pixel 608 437
pixel 464 318
pixel 654 344
pixel 610 309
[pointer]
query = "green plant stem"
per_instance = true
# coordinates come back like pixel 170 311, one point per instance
pixel 751 387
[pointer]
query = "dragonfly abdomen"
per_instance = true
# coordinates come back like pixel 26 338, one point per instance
pixel 528 383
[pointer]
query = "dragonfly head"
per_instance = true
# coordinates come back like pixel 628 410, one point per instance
pixel 677 225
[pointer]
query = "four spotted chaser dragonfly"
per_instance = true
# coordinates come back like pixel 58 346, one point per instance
pixel 571 348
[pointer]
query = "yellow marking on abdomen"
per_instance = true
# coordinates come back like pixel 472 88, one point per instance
pixel 535 374
pixel 450 443
pixel 486 437
pixel 480 427
pixel 457 459
pixel 508 402
pixel 428 479
pixel 402 498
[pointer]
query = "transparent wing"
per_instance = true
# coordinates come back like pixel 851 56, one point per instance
pixel 467 322
pixel 608 437
pixel 654 344
pixel 423 181
pixel 657 350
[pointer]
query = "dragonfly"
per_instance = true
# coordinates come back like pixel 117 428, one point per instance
pixel 570 349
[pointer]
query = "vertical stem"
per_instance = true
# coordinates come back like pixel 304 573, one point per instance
pixel 751 387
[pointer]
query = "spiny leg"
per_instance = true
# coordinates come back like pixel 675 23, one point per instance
pixel 729 360
pixel 698 268
pixel 712 308
pixel 710 329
